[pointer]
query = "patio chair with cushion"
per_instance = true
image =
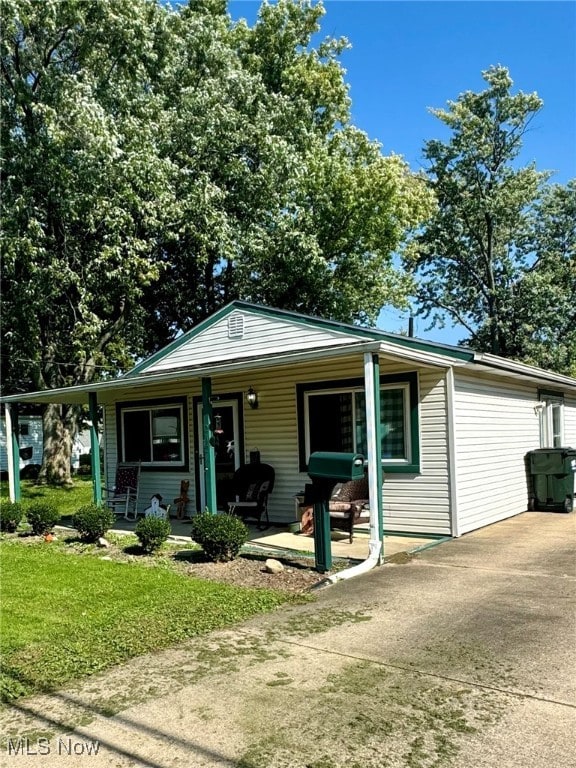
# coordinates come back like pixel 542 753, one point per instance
pixel 122 498
pixel 251 486
pixel 348 506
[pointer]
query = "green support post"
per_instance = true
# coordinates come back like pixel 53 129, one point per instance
pixel 12 434
pixel 322 541
pixel 378 433
pixel 95 449
pixel 208 445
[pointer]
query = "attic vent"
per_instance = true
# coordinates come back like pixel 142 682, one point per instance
pixel 236 327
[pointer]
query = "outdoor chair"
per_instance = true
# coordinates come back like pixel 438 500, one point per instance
pixel 348 506
pixel 251 486
pixel 122 498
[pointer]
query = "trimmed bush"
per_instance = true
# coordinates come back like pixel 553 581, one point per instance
pixel 152 532
pixel 42 516
pixel 220 536
pixel 92 521
pixel 11 513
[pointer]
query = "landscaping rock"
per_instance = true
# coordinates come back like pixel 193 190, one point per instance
pixel 104 543
pixel 273 566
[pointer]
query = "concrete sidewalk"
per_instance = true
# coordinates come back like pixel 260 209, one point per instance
pixel 463 657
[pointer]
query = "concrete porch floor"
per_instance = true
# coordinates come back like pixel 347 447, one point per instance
pixel 278 539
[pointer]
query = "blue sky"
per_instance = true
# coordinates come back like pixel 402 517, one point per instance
pixel 409 55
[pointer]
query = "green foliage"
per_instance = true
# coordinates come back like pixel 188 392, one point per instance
pixel 292 206
pixel 42 517
pixel 11 513
pixel 152 532
pixel 220 536
pixel 483 255
pixel 142 140
pixel 92 521
pixel 112 613
pixel 540 318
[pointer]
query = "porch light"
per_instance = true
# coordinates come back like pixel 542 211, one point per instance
pixel 252 398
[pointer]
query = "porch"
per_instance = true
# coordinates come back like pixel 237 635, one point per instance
pixel 277 540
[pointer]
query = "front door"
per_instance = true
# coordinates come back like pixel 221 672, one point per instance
pixel 227 449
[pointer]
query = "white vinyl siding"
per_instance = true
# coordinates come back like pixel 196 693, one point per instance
pixel 412 503
pixel 420 503
pixel 276 335
pixel 496 424
pixel 570 421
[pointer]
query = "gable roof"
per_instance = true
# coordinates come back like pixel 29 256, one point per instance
pixel 243 335
pixel 308 332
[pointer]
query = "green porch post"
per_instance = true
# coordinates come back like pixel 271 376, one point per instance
pixel 208 445
pixel 378 433
pixel 13 446
pixel 95 449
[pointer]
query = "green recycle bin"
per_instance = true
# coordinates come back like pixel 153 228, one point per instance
pixel 552 473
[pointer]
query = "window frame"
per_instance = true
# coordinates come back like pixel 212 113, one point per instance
pixel 551 401
pixel 408 382
pixel 179 403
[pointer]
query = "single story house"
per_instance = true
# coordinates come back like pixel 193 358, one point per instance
pixel 449 427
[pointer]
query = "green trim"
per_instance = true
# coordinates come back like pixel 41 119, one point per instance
pixel 410 378
pixel 373 334
pixel 216 398
pixel 208 440
pixel 95 449
pixel 202 326
pixel 148 405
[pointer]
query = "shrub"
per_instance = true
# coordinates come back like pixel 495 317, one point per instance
pixel 152 532
pixel 30 472
pixel 11 513
pixel 42 516
pixel 220 536
pixel 92 521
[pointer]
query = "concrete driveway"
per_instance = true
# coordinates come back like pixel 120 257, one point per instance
pixel 464 656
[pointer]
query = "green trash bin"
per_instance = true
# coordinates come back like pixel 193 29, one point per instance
pixel 552 473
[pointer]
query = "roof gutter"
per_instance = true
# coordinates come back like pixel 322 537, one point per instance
pixel 503 365
pixel 175 374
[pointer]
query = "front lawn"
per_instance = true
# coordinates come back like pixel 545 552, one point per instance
pixel 67 500
pixel 65 616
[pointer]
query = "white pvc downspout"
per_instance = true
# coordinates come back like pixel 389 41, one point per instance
pixel 10 454
pixel 375 542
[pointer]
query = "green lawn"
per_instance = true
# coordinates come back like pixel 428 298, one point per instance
pixel 68 500
pixel 65 616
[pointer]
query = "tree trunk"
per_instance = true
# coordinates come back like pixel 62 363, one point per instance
pixel 58 423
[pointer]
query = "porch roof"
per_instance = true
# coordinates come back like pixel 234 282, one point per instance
pixel 124 385
pixel 346 340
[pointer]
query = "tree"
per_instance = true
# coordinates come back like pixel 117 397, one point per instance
pixel 471 257
pixel 81 184
pixel 540 321
pixel 282 201
pixel 159 163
